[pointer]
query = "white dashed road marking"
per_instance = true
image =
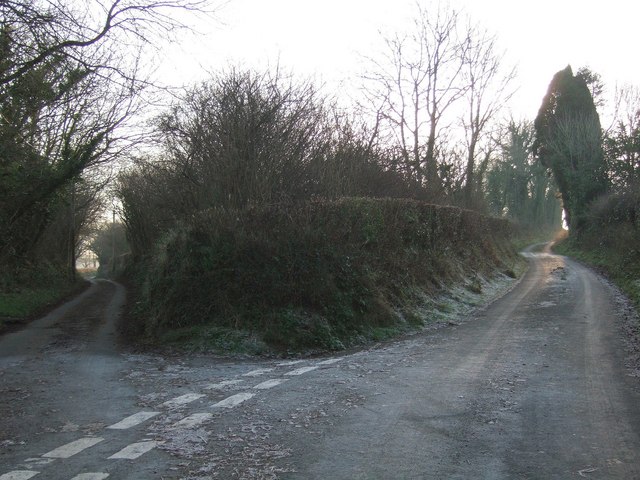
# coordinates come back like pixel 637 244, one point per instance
pixel 258 372
pixel 19 475
pixel 270 384
pixel 133 451
pixel 70 449
pixel 133 420
pixel 301 370
pixel 289 363
pixel 91 476
pixel 233 400
pixel 225 383
pixel 331 361
pixel 193 420
pixel 182 399
pixel 38 462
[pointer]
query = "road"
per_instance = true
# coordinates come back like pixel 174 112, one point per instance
pixel 537 385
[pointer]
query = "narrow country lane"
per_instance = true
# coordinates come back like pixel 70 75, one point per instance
pixel 533 386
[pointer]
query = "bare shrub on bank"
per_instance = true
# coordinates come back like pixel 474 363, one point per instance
pixel 246 138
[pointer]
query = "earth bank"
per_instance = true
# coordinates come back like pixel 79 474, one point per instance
pixel 316 275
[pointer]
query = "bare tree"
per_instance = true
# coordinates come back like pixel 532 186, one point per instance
pixel 488 89
pixel 43 29
pixel 627 105
pixel 622 140
pixel 415 85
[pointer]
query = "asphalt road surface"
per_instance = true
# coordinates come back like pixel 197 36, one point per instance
pixel 537 385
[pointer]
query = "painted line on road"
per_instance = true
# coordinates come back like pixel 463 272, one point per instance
pixel 270 384
pixel 72 448
pixel 133 420
pixel 302 370
pixel 38 462
pixel 135 450
pixel 289 363
pixel 331 361
pixel 182 400
pixel 258 372
pixel 193 420
pixel 233 400
pixel 19 475
pixel 224 383
pixel 91 476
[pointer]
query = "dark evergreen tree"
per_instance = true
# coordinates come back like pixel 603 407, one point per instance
pixel 569 143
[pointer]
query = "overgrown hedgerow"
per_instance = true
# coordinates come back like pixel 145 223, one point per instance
pixel 319 274
pixel 611 242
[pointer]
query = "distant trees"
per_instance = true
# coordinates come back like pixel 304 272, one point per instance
pixel 518 186
pixel 619 212
pixel 69 90
pixel 108 243
pixel 245 138
pixel 569 143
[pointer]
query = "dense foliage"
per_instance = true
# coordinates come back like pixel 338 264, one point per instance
pixel 600 171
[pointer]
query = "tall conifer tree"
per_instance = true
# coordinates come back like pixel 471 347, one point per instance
pixel 569 143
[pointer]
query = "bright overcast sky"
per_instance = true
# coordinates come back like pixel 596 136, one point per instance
pixel 327 39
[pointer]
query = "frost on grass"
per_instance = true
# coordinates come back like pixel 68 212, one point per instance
pixel 455 303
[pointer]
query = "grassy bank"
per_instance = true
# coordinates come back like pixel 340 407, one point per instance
pixel 610 241
pixel 314 276
pixel 22 303
pixel 620 265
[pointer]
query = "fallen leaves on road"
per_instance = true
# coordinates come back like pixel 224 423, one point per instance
pixel 245 453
